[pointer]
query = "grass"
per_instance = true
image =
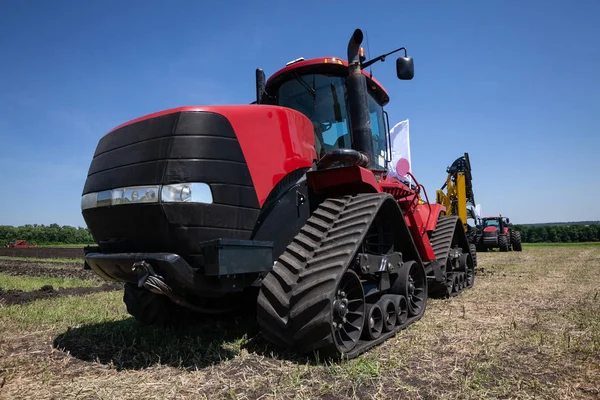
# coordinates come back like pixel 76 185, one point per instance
pixel 576 244
pixel 30 283
pixel 530 328
pixel 43 260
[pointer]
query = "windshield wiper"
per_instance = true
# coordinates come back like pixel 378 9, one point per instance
pixel 337 109
pixel 310 89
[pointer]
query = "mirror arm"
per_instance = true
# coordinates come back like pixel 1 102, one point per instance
pixel 381 58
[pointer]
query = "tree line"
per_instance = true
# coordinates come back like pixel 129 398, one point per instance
pixel 559 233
pixel 45 234
pixel 56 234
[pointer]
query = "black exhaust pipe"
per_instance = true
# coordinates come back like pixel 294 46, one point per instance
pixel 260 85
pixel 358 105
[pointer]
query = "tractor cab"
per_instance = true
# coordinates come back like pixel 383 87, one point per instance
pixel 343 102
pixel 317 89
pixel 495 223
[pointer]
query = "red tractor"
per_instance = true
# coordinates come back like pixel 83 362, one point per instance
pixel 498 233
pixel 286 200
pixel 19 244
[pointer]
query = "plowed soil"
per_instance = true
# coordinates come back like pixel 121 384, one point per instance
pixel 54 270
pixel 11 297
pixel 43 252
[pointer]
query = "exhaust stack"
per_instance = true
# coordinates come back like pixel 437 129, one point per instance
pixel 358 106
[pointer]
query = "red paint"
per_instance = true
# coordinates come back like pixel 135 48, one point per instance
pixel 275 141
pixel 334 66
pixel 343 180
pixel 420 218
pixel 490 229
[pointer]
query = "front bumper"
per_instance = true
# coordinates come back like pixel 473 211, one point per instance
pixel 226 266
pixel 490 240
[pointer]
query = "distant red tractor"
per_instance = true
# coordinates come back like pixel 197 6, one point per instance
pixel 19 244
pixel 498 232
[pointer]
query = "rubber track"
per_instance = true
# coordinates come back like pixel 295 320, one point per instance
pixel 441 237
pixel 295 300
pixel 441 240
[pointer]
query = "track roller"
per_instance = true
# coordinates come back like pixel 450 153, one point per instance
pixel 389 306
pixel 412 284
pixel 373 322
pixel 402 310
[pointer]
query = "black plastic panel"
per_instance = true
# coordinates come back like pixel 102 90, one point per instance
pixel 224 257
pixel 211 215
pixel 175 148
pixel 138 132
pixel 192 123
pixel 284 215
pixel 235 195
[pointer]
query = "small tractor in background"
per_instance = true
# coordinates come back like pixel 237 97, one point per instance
pixel 19 244
pixel 285 201
pixel 498 233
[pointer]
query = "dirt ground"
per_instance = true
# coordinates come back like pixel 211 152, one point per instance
pixel 43 252
pixel 55 270
pixel 530 328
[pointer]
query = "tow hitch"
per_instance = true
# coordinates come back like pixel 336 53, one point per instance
pixel 155 283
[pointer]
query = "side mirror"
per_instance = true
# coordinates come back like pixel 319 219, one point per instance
pixel 405 68
pixel 508 220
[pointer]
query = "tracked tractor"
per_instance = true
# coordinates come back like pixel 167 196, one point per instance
pixel 458 198
pixel 285 201
pixel 498 233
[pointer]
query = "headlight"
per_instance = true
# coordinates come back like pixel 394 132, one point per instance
pixel 89 200
pixel 181 192
pixel 138 194
pixel 186 192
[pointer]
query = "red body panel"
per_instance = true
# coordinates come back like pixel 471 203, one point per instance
pixel 275 140
pixel 343 180
pixel 490 229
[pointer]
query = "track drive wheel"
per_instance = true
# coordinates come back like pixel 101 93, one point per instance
pixel 348 313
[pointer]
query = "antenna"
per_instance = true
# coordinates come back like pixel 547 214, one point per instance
pixel 369 53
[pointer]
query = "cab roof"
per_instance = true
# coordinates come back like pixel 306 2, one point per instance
pixel 332 65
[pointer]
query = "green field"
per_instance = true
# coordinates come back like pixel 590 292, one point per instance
pixel 578 244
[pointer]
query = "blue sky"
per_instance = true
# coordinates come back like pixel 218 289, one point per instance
pixel 514 83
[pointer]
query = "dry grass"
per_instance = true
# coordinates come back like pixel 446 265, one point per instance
pixel 530 328
pixel 29 283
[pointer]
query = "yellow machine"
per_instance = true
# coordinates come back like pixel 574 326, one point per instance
pixel 459 192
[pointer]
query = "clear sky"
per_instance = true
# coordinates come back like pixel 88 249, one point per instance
pixel 514 83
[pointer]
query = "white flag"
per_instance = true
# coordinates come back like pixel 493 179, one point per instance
pixel 478 210
pixel 400 151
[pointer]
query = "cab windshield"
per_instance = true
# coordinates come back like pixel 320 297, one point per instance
pixel 322 98
pixel 491 222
